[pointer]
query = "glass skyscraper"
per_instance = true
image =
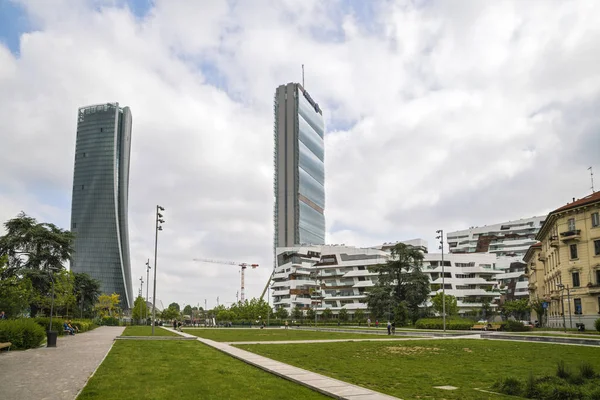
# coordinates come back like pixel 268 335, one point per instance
pixel 100 198
pixel 299 168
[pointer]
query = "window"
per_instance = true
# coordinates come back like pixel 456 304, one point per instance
pixel 74 225
pixel 597 247
pixel 82 187
pixel 575 276
pixel 571 224
pixel 598 277
pixel 573 249
pixel 101 130
pixel 578 309
pixel 595 220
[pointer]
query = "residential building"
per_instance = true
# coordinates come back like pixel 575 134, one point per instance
pixel 293 279
pixel 99 210
pixel 513 282
pixel 566 263
pixel 299 183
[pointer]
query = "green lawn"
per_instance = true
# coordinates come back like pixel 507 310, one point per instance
pixel 248 335
pixel 411 369
pixel 183 370
pixel 146 331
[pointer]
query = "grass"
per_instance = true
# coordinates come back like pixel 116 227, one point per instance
pixel 146 331
pixel 411 369
pixel 249 335
pixel 183 370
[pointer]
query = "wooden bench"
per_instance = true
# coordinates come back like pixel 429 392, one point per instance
pixel 5 346
pixel 494 327
pixel 480 327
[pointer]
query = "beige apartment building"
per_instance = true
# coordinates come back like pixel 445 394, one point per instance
pixel 564 267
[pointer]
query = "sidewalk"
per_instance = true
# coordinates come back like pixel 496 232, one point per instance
pixel 321 383
pixel 55 373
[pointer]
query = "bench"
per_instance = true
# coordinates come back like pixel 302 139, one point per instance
pixel 5 346
pixel 494 327
pixel 479 327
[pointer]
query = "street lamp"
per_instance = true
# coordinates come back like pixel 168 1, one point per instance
pixel 141 291
pixel 562 288
pixel 441 237
pixel 159 221
pixel 147 287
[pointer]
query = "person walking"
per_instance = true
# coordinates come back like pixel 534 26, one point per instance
pixel 389 328
pixel 369 322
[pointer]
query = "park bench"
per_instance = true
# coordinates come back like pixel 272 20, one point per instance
pixel 480 327
pixel 494 327
pixel 5 346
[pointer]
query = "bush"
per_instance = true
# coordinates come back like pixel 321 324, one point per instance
pixel 562 371
pixel 516 326
pixel 587 370
pixel 57 324
pixel 437 323
pixel 22 333
pixel 597 324
pixel 109 321
pixel 510 386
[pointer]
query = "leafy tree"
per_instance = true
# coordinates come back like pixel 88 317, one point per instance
pixel 487 310
pixel 297 313
pixel 537 305
pixel 108 305
pixel 87 291
pixel 281 313
pixel 138 313
pixel 15 293
pixel 327 314
pixel 310 314
pixel 225 315
pixel 451 304
pixel 516 308
pixel 343 315
pixel 187 310
pixel 400 281
pixel 64 295
pixel 359 316
pixel 175 306
pixel 169 313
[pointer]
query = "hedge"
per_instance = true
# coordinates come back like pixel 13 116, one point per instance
pixel 22 333
pixel 516 326
pixel 57 324
pixel 438 323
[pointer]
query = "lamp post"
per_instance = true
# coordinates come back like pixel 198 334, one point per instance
pixel 562 304
pixel 147 287
pixel 51 335
pixel 441 237
pixel 141 291
pixel 159 221
pixel 569 302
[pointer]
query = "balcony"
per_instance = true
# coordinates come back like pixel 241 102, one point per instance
pixel 573 234
pixel 542 256
pixel 554 241
pixel 594 289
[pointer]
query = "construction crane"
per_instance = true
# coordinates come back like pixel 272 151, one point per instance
pixel 243 266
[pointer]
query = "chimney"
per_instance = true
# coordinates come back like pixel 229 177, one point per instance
pixel 573 199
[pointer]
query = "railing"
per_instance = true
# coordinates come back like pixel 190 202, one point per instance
pixel 570 233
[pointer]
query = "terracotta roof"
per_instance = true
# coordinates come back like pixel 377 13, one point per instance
pixel 538 244
pixel 592 198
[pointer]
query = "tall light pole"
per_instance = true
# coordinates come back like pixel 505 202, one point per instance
pixel 159 221
pixel 141 291
pixel 562 304
pixel 147 287
pixel 441 237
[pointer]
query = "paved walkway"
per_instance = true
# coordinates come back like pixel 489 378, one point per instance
pixel 55 373
pixel 321 383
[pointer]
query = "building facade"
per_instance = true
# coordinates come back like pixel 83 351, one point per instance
pixel 299 184
pixel 565 266
pixel 99 210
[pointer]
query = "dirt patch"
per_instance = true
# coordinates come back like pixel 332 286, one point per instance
pixel 406 350
pixel 467 350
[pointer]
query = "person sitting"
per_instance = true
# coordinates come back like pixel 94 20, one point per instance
pixel 74 328
pixel 68 329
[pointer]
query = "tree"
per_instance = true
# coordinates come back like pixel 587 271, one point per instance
pixel 400 281
pixel 359 316
pixel 15 293
pixel 175 306
pixel 187 310
pixel 281 313
pixel 297 313
pixel 343 315
pixel 138 313
pixel 327 314
pixel 486 309
pixel 516 308
pixel 537 305
pixel 108 305
pixel 87 291
pixel 169 313
pixel 310 314
pixel 451 304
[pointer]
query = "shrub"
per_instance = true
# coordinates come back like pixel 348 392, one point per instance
pixel 57 324
pixel 597 324
pixel 562 371
pixel 437 323
pixel 22 333
pixel 531 390
pixel 587 370
pixel 109 321
pixel 510 386
pixel 516 326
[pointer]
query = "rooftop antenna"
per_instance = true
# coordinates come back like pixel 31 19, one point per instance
pixel 592 178
pixel 303 77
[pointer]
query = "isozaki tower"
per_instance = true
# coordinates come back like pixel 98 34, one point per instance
pixel 299 168
pixel 100 198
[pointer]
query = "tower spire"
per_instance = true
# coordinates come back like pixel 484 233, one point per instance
pixel 592 178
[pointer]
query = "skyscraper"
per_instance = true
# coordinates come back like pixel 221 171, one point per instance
pixel 100 198
pixel 299 168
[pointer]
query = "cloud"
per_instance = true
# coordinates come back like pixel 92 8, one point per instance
pixel 438 116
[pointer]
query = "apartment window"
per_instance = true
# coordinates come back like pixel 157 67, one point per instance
pixel 571 224
pixel 101 129
pixel 597 247
pixel 573 250
pixel 578 309
pixel 575 276
pixel 598 277
pixel 595 220
pixel 74 225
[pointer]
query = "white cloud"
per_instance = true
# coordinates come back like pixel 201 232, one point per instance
pixel 439 116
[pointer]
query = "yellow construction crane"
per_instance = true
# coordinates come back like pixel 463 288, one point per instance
pixel 243 266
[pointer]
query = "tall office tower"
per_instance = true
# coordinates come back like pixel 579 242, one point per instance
pixel 100 198
pixel 299 168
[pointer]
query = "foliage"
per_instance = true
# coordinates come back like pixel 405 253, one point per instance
pixel 146 331
pixel 438 323
pixel 400 280
pixel 597 324
pixel 15 293
pixel 487 310
pixel 327 314
pixel 515 326
pixel 140 309
pixel 343 315
pixel 57 324
pixel 297 313
pixel 252 310
pixel 359 316
pixel 87 291
pixel 451 304
pixel 281 313
pixel 108 305
pixel 169 313
pixel 187 310
pixel 516 308
pixel 175 306
pixel 22 333
pixel 537 305
pixel 110 321
pixel 310 314
pixel 240 335
pixel 225 315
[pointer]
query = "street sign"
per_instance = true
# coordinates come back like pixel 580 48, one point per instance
pixel 545 304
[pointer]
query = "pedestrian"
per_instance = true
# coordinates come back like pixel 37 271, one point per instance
pixel 369 322
pixel 376 323
pixel 175 324
pixel 394 328
pixel 2 315
pixel 389 328
pixel 286 324
pixel 179 326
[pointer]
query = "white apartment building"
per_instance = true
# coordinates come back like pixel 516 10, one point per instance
pixel 336 277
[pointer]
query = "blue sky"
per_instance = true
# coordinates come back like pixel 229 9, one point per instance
pixel 13 22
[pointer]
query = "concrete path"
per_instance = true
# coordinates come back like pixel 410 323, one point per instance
pixel 321 383
pixel 55 373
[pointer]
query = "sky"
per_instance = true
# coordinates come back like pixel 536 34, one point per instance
pixel 439 115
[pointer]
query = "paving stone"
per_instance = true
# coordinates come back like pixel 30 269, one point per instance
pixel 447 387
